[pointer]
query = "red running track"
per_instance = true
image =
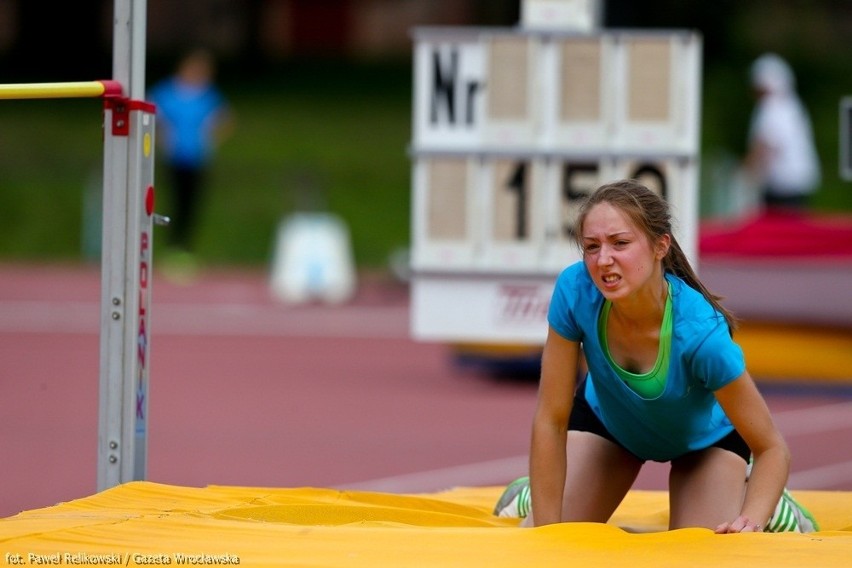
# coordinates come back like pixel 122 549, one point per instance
pixel 245 391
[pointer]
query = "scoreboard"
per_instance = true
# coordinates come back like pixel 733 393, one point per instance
pixel 512 129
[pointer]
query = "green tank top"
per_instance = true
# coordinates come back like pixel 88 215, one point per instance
pixel 651 384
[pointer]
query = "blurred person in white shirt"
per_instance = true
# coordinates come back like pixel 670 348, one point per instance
pixel 782 159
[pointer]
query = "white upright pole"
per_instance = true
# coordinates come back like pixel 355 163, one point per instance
pixel 126 257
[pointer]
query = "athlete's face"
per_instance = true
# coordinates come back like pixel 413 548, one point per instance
pixel 621 259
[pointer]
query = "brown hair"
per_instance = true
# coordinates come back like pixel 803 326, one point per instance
pixel 650 213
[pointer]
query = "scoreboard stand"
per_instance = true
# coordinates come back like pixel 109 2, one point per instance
pixel 512 129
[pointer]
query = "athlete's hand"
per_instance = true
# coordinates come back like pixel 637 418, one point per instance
pixel 740 524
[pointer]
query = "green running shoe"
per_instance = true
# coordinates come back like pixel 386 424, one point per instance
pixel 791 516
pixel 515 500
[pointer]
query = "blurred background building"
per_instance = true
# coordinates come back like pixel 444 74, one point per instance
pixel 278 57
pixel 261 30
pixel 272 29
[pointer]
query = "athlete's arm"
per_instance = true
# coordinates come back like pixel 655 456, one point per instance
pixel 550 427
pixel 749 414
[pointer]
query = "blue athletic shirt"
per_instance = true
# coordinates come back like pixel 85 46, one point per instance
pixel 188 113
pixel 704 358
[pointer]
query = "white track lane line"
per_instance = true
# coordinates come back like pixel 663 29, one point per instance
pixel 826 477
pixel 492 472
pixel 814 419
pixel 825 418
pixel 215 319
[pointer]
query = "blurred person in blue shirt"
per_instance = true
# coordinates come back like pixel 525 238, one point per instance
pixel 193 117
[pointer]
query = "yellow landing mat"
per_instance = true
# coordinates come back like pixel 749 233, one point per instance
pixel 144 523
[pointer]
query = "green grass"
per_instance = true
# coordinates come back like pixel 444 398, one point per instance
pixel 341 150
pixel 309 136
pixel 49 151
pixel 315 136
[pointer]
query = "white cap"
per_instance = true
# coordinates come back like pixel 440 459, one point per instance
pixel 772 73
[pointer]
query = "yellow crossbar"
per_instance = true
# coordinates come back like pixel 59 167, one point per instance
pixel 75 89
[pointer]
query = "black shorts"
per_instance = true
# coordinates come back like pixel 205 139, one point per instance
pixel 792 202
pixel 584 419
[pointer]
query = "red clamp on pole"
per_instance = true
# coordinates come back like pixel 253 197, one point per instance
pixel 115 100
pixel 120 115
